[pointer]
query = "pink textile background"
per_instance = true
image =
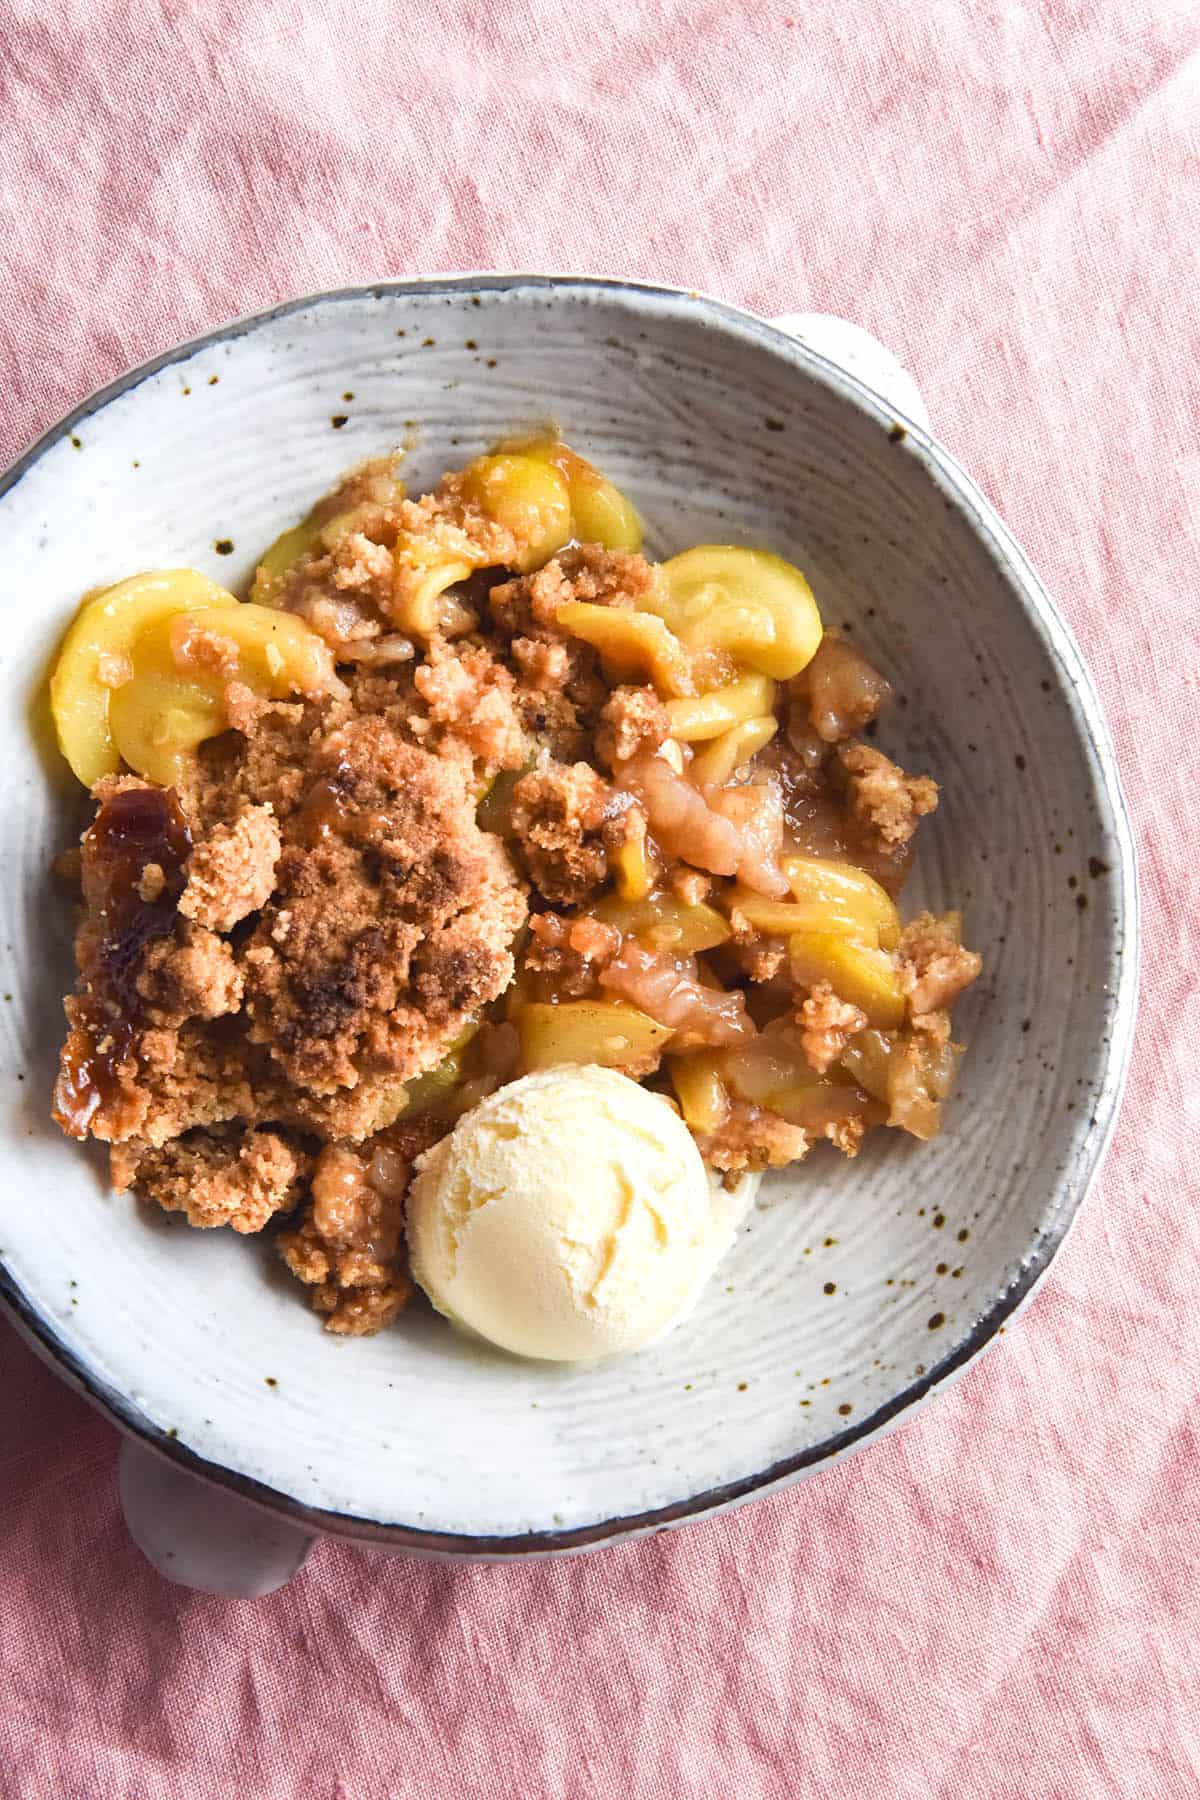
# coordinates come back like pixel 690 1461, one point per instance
pixel 1001 1599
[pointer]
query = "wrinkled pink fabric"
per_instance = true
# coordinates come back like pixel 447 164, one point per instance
pixel 1001 1599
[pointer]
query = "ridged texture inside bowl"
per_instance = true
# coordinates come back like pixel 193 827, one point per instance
pixel 852 1283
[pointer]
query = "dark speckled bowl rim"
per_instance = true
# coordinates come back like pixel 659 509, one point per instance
pixel 1060 645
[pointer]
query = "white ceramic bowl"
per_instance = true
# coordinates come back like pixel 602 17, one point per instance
pixel 831 1318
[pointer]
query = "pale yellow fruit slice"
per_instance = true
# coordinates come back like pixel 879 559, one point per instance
pixel 95 658
pixel 607 1032
pixel 861 976
pixel 173 702
pixel 750 603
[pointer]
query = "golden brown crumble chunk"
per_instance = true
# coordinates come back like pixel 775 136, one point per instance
pixel 570 953
pixel 192 974
pixel 561 689
pixel 753 1139
pixel 935 967
pixel 528 607
pixel 391 920
pixel 231 873
pixel 883 799
pixel 222 1177
pixel 308 932
pixel 631 719
pixel 827 1025
pixel 557 817
pixel 544 665
pixel 470 691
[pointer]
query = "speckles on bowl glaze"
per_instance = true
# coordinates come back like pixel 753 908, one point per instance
pixel 76 442
pixel 223 546
pixel 338 420
pixel 936 1321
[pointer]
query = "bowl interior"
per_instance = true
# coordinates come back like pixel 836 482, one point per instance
pixel 854 1285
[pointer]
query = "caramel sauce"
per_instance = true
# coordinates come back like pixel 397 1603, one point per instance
pixel 818 825
pixel 325 812
pixel 328 811
pixel 132 829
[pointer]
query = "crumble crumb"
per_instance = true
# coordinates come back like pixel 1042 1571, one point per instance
pixel 557 817
pixel 231 873
pixel 217 1178
pixel 934 966
pixel 631 719
pixel 827 1025
pixel 883 799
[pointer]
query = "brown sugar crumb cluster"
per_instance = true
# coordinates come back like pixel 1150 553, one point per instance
pixel 337 921
pixel 220 1177
pixel 482 843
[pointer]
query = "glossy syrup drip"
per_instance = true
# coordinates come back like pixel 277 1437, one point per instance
pixel 132 830
pixel 330 810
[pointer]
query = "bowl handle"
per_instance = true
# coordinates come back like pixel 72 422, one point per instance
pixel 200 1536
pixel 860 355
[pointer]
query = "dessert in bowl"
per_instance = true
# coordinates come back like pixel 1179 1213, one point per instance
pixel 854 1286
pixel 467 789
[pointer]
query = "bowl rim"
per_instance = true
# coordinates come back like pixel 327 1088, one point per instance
pixel 1073 1185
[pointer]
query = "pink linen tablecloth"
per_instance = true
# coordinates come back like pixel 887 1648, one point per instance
pixel 1001 1599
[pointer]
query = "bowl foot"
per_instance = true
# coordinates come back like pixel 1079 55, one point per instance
pixel 201 1537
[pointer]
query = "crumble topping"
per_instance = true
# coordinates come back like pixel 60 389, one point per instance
pixel 301 961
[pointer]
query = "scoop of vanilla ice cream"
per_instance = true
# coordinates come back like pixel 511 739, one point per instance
pixel 569 1216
